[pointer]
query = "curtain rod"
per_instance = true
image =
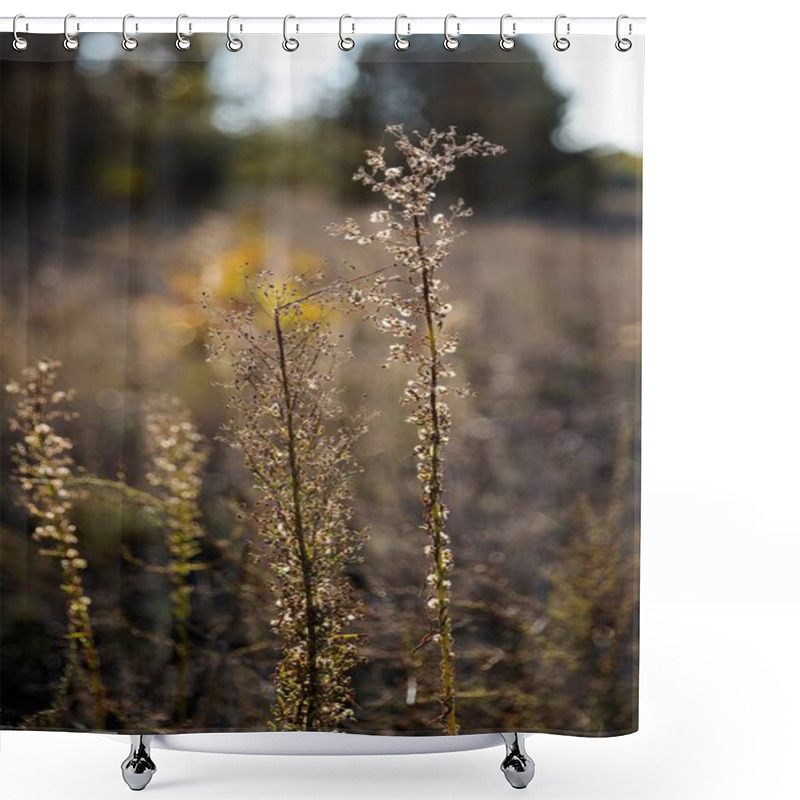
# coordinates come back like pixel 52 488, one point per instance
pixel 350 25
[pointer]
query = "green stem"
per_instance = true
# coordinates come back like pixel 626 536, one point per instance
pixel 182 653
pixel 93 663
pixel 137 497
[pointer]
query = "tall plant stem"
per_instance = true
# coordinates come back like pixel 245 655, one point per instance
pixel 79 623
pixel 306 719
pixel 182 654
pixel 433 507
pixel 98 689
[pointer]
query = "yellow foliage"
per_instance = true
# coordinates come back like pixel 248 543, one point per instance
pixel 231 277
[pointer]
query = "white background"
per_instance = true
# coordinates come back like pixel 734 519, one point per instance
pixel 720 696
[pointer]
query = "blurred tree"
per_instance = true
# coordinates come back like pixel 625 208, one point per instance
pixel 83 139
pixel 505 96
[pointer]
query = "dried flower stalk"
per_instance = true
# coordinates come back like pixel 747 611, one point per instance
pixel 177 455
pixel 43 469
pixel 283 355
pixel 412 308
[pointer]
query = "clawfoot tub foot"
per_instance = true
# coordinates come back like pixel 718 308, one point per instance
pixel 138 768
pixel 517 766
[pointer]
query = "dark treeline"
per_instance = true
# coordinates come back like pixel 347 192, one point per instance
pixel 118 139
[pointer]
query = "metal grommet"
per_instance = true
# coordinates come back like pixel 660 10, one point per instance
pixel 233 44
pixel 128 42
pixel 561 43
pixel 345 42
pixel 20 42
pixel 70 41
pixel 182 42
pixel 450 42
pixel 623 45
pixel 400 42
pixel 506 42
pixel 289 44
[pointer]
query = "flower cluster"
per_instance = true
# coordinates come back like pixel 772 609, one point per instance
pixel 410 306
pixel 43 469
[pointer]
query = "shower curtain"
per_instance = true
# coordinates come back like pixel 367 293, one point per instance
pixel 320 385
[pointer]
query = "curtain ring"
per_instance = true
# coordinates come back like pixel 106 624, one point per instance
pixel 289 44
pixel 20 42
pixel 70 41
pixel 400 42
pixel 506 42
pixel 345 42
pixel 450 42
pixel 233 44
pixel 623 45
pixel 182 42
pixel 128 42
pixel 561 43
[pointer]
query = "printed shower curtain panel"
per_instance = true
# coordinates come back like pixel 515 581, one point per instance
pixel 321 374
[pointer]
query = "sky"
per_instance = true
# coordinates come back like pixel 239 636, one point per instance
pixel 604 87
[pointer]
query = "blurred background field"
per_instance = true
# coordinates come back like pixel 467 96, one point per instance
pixel 179 185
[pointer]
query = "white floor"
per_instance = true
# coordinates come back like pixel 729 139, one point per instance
pixel 720 705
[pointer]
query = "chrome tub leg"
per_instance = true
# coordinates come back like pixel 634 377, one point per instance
pixel 138 768
pixel 517 766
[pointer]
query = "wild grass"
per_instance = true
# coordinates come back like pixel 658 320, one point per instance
pixel 287 424
pixel 548 333
pixel 591 609
pixel 51 483
pixel 43 468
pixel 410 304
pixel 177 456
